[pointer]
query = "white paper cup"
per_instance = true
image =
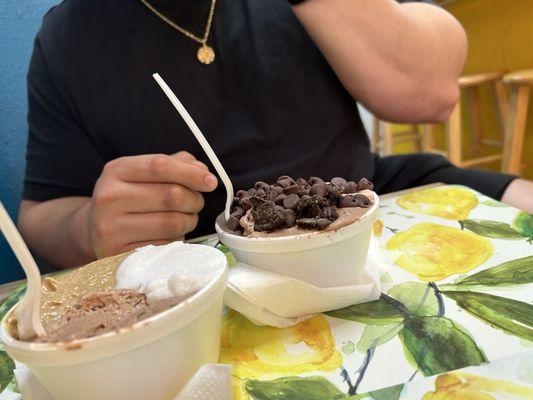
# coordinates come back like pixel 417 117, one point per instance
pixel 150 360
pixel 321 258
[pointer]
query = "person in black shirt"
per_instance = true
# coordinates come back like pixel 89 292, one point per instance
pixel 110 166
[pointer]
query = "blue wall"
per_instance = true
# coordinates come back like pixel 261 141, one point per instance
pixel 19 21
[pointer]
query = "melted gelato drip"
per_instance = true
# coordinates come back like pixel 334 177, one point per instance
pixel 102 312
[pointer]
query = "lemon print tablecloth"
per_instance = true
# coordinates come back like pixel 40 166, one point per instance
pixel 456 320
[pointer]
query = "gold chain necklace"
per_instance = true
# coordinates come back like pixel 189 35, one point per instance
pixel 205 54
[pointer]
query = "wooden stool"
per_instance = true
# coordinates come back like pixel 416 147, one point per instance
pixel 454 145
pixel 520 83
pixel 384 139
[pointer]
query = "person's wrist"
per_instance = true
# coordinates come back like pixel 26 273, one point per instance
pixel 79 229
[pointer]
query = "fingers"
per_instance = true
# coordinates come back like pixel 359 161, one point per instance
pixel 154 197
pixel 188 157
pixel 133 228
pixel 161 168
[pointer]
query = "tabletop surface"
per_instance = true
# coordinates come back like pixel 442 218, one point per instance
pixel 457 295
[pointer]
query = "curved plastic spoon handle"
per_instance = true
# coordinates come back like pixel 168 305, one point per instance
pixel 28 311
pixel 202 140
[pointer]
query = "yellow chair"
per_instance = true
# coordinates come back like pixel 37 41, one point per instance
pixel 385 136
pixel 520 83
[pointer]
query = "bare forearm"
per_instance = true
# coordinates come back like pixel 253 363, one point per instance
pixel 58 230
pixel 401 61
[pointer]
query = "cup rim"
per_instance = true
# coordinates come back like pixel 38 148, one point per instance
pixel 193 305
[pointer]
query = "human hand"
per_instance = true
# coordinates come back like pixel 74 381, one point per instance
pixel 146 199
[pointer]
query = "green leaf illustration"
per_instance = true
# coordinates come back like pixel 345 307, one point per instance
pixel 374 335
pixel 377 312
pixel 7 365
pixel 494 203
pixel 437 344
pixel 511 316
pixel 523 224
pixel 491 229
pixel 227 252
pixel 417 297
pixel 390 393
pixel 12 300
pixel 293 388
pixel 514 272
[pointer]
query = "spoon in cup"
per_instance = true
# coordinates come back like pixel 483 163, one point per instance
pixel 28 311
pixel 202 140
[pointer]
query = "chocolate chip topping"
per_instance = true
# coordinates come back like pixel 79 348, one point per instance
pixel 309 204
pixel 364 184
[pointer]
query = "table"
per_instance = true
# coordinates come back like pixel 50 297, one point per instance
pixel 456 296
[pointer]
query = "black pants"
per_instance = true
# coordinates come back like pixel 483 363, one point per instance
pixel 404 171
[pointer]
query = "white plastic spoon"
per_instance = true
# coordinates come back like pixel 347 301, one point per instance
pixel 202 140
pixel 28 311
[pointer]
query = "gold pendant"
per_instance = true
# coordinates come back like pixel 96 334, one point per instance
pixel 206 54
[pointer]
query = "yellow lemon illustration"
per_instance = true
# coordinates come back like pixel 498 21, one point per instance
pixel 265 352
pixel 377 228
pixel 434 252
pixel 453 203
pixel 463 386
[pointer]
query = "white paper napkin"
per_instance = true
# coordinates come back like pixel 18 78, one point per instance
pixel 266 298
pixel 211 381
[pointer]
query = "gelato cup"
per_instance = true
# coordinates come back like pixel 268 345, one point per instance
pixel 326 258
pixel 151 359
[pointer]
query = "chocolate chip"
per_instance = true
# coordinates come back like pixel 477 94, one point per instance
pixel 276 189
pixel 280 198
pixel 272 195
pixel 364 184
pixel 362 200
pixel 250 192
pixel 260 184
pixel 333 192
pixel 301 181
pixel 313 223
pixel 304 189
pixel 233 224
pixel 293 189
pixel 291 201
pixel 337 181
pixel 354 200
pixel 350 187
pixel 263 192
pixel 290 216
pixel 241 194
pixel 348 201
pixel 314 180
pixel 237 212
pixel 284 177
pixel 286 183
pixel 318 188
pixel 281 208
pixel 245 203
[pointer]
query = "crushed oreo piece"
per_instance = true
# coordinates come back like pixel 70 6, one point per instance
pixel 267 217
pixel 313 223
pixel 350 187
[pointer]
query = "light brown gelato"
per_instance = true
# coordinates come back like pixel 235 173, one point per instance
pixel 102 312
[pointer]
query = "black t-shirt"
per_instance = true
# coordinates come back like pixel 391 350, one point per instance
pixel 269 104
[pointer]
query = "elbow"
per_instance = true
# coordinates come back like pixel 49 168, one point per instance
pixel 416 103
pixel 441 104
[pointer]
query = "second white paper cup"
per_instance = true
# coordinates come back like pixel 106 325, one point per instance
pixel 321 258
pixel 150 360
